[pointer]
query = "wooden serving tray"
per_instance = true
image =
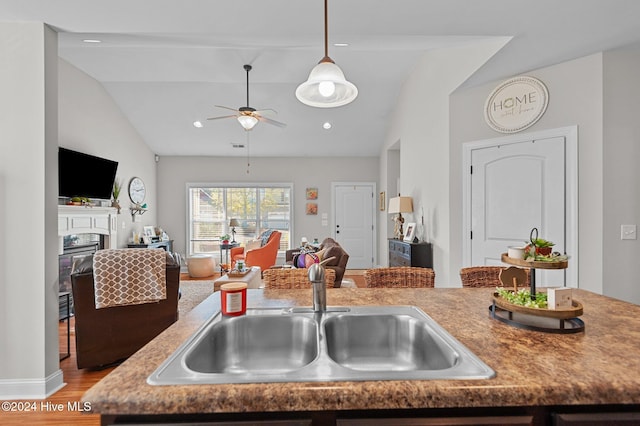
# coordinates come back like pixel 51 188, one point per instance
pixel 573 312
pixel 538 264
pixel 237 274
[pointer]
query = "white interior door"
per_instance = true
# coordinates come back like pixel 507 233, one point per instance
pixel 514 188
pixel 354 222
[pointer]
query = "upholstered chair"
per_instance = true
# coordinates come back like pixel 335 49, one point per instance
pixel 111 334
pixel 400 276
pixel 264 256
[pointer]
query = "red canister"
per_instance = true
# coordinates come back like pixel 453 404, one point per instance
pixel 234 298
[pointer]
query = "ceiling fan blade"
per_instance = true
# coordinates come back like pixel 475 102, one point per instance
pixel 270 121
pixel 260 111
pixel 226 107
pixel 224 116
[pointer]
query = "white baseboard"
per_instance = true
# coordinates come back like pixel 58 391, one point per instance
pixel 31 388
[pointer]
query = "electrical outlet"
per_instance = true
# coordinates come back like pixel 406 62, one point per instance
pixel 628 232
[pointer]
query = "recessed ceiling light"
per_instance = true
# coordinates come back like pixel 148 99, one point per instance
pixel 341 44
pixel 197 124
pixel 91 40
pixel 326 125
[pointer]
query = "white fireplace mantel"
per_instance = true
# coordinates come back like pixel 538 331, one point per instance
pixel 89 220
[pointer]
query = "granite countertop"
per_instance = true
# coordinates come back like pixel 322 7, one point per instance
pixel 598 366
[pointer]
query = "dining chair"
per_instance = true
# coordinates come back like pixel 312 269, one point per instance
pixel 291 278
pixel 400 276
pixel 485 276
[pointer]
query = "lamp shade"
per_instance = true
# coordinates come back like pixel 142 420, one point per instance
pixel 401 205
pixel 247 121
pixel 234 222
pixel 326 87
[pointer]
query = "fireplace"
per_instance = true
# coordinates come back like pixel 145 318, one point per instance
pixel 75 249
pixel 81 231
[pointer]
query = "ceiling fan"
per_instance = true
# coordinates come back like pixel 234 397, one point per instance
pixel 247 116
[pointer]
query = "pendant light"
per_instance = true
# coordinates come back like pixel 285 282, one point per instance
pixel 326 86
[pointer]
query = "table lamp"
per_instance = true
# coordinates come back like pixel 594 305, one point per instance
pixel 400 205
pixel 233 223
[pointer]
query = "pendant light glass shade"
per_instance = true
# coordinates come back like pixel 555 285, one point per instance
pixel 326 87
pixel 247 121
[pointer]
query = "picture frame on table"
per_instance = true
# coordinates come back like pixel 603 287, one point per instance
pixel 148 231
pixel 146 239
pixel 410 232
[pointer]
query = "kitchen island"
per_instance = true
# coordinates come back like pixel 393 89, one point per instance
pixel 540 377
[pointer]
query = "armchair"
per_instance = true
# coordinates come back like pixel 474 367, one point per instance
pixel 108 335
pixel 264 257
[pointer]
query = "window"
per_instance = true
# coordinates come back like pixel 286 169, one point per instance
pixel 257 208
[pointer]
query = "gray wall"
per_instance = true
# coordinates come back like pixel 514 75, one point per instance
pixel 175 172
pixel 91 122
pixel 621 172
pixel 599 94
pixel 29 364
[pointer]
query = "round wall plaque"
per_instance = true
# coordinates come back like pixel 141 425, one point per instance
pixel 516 104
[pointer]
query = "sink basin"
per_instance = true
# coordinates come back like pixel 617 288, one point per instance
pixel 387 343
pixel 298 345
pixel 255 344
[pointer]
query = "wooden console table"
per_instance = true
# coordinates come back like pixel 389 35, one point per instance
pixel 403 253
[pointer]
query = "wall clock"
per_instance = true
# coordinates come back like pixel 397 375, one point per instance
pixel 137 191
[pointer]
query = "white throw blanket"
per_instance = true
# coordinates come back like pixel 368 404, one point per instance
pixel 129 277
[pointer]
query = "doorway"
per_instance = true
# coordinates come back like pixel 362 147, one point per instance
pixel 515 183
pixel 354 227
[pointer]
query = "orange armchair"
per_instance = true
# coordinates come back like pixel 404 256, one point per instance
pixel 264 257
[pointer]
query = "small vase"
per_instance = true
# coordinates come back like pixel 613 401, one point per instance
pixel 116 204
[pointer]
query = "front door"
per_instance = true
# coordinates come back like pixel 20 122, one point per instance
pixel 514 188
pixel 354 222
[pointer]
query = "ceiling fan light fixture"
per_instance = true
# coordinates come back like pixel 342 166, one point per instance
pixel 247 121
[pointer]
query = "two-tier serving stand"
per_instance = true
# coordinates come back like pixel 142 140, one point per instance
pixel 538 319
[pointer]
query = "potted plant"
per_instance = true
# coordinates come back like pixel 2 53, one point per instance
pixel 225 238
pixel 117 187
pixel 542 247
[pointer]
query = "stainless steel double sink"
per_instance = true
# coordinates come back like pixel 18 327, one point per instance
pixel 342 344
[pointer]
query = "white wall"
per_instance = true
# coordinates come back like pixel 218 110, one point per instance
pixel 421 123
pixel 175 172
pixel 91 122
pixel 29 366
pixel 621 173
pixel 575 98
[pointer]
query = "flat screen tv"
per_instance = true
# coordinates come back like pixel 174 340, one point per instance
pixel 84 175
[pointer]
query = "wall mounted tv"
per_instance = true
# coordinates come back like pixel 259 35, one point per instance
pixel 84 175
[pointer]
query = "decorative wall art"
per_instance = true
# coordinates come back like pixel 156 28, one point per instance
pixel 312 193
pixel 312 208
pixel 382 201
pixel 516 104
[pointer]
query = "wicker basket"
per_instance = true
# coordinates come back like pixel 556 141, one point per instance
pixel 289 278
pixel 400 276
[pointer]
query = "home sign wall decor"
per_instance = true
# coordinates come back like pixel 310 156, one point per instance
pixel 516 104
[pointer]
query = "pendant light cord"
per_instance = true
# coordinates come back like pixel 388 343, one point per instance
pixel 247 68
pixel 326 35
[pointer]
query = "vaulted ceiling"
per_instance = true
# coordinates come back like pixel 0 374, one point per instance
pixel 167 63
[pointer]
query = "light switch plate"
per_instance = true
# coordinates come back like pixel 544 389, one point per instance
pixel 628 232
